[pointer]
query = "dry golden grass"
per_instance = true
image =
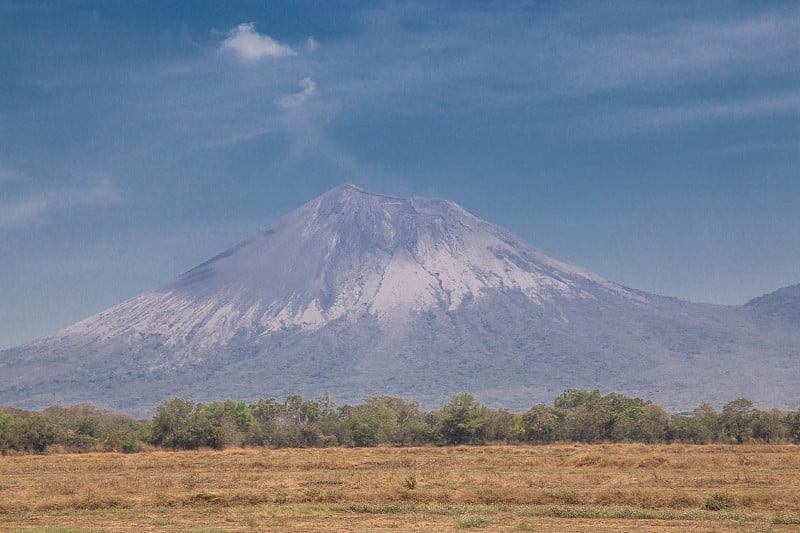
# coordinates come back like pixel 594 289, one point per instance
pixel 566 487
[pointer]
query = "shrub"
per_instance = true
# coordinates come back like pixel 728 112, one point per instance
pixel 719 501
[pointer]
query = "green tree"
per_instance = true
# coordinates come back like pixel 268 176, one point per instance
pixel 367 428
pixel 206 426
pixel 689 429
pixel 265 419
pixel 462 420
pixel 386 419
pixel 643 422
pixel 283 424
pixel 330 420
pixel 422 431
pixel 226 423
pixel 793 426
pixel 497 425
pixel 84 427
pixel 541 423
pixel 301 412
pixel 572 398
pixel 5 426
pixel 587 416
pixel 770 426
pixel 32 432
pixel 125 435
pixel 709 419
pixel 171 426
pixel 240 414
pixel 372 423
pixel 407 415
pixel 737 419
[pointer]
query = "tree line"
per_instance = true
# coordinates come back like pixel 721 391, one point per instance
pixel 576 415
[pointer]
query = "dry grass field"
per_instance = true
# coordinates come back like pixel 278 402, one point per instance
pixel 565 487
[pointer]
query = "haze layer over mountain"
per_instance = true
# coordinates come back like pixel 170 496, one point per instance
pixel 362 294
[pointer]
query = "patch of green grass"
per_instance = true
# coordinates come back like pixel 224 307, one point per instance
pixel 461 509
pixel 298 509
pixel 473 521
pixel 638 513
pixel 373 508
pixel 106 511
pixel 55 530
pixel 786 518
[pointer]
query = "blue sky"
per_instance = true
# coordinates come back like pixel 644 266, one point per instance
pixel 657 144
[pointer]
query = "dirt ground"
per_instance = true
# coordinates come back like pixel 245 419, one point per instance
pixel 562 487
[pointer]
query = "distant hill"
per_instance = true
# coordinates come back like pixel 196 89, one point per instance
pixel 362 294
pixel 783 304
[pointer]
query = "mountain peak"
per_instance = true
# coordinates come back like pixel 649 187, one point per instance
pixel 344 189
pixel 350 253
pixel 362 294
pixel 349 193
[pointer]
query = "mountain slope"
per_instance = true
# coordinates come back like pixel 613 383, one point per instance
pixel 782 304
pixel 363 294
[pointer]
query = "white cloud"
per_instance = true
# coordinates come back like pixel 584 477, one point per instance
pixel 23 211
pixel 679 52
pixel 35 205
pixel 308 89
pixel 667 116
pixel 249 45
pixel 98 192
pixel 611 121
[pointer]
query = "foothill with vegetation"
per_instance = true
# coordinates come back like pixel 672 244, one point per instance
pixel 575 416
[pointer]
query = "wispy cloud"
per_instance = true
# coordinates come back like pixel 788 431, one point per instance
pixel 788 102
pixel 23 211
pixel 678 51
pixel 99 191
pixel 38 203
pixel 623 120
pixel 249 45
pixel 311 44
pixel 512 57
pixel 308 89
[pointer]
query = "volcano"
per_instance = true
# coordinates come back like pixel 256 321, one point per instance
pixel 362 294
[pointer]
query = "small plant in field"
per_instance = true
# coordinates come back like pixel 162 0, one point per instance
pixel 719 501
pixel 410 482
pixel 250 522
pixel 785 518
pixel 473 521
pixel 746 460
pixel 588 460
